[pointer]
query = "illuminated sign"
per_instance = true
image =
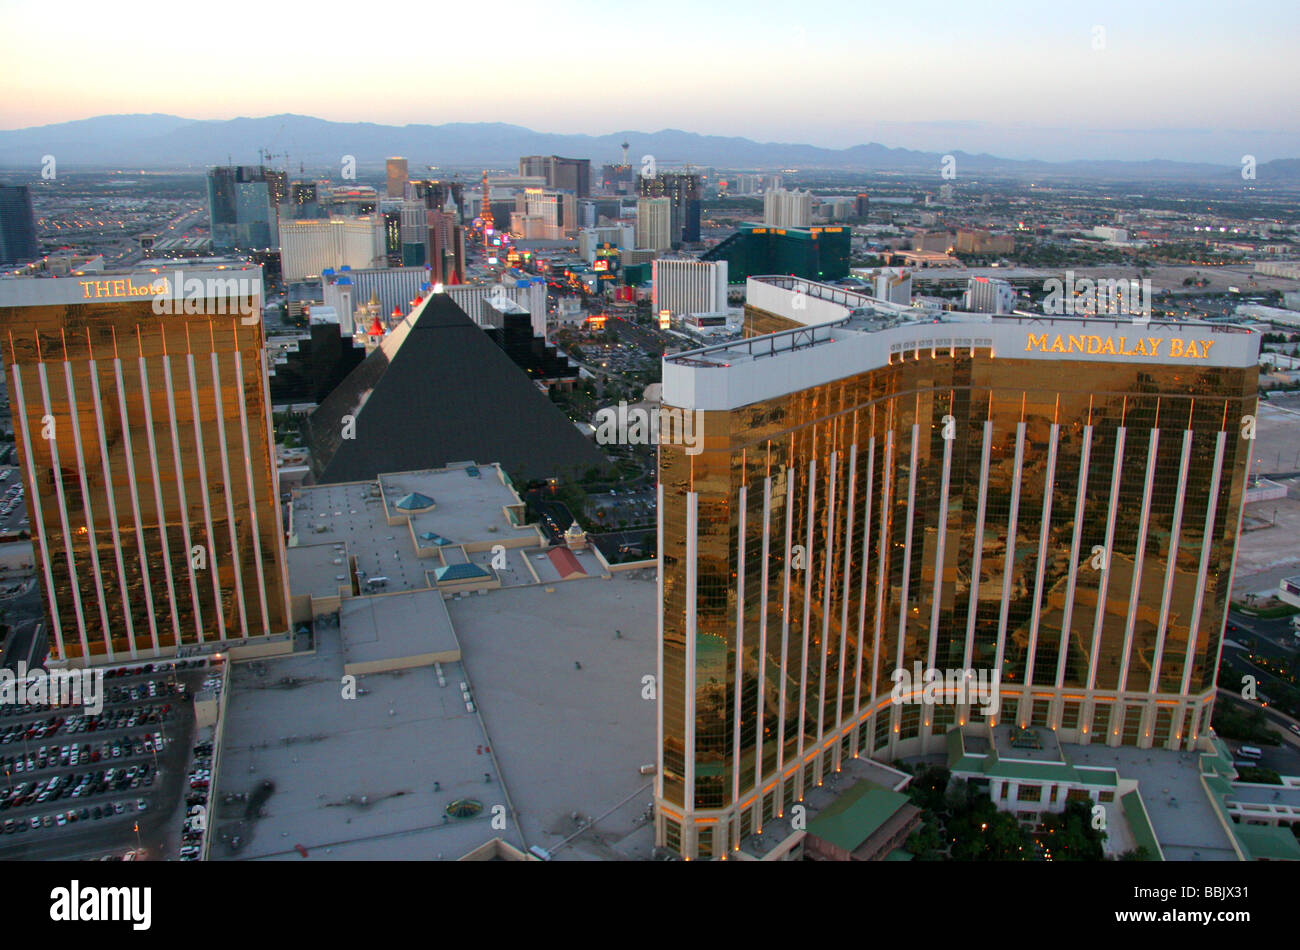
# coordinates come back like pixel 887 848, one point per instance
pixel 597 321
pixel 122 287
pixel 600 264
pixel 1119 346
pixel 665 319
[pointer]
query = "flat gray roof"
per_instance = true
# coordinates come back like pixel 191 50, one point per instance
pixel 392 626
pixel 286 721
pixel 1182 816
pixel 570 740
pixel 312 570
pixel 469 508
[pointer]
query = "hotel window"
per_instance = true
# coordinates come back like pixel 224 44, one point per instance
pixel 1030 793
pixel 1070 716
pixel 1041 709
pixel 911 722
pixel 672 836
pixel 1106 797
pixel 705 849
pixel 882 729
pixel 1078 795
pixel 944 716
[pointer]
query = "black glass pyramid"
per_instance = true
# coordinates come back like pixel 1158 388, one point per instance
pixel 439 390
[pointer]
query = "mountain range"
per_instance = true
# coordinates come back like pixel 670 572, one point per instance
pixel 168 141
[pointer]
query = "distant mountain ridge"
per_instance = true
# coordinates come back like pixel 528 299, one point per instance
pixel 168 141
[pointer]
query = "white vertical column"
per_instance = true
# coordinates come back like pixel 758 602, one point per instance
pixel 907 550
pixel 1207 548
pixel 201 458
pixel 74 579
pixel 1085 455
pixel 1135 588
pixel 19 404
pixel 740 650
pixel 1049 484
pixel 882 569
pixel 692 579
pixel 184 503
pixel 940 543
pixel 252 494
pixel 1009 560
pixel 827 585
pixel 862 593
pixel 760 703
pixel 1171 565
pixel 147 400
pixel 229 489
pixel 92 536
pixel 807 623
pixel 785 641
pixel 1117 469
pixel 977 552
pixel 844 611
pixel 128 449
pixel 109 492
pixel 659 650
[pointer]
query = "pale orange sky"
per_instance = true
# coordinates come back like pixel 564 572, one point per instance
pixel 842 73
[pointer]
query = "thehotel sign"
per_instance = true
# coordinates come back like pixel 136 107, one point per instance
pixel 227 290
pixel 1122 346
pixel 120 287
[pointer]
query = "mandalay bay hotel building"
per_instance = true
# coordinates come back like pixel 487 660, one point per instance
pixel 144 440
pixel 1054 498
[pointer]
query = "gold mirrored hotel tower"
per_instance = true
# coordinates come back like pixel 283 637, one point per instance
pixel 1054 498
pixel 145 445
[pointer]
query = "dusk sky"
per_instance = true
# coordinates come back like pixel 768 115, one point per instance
pixel 1193 80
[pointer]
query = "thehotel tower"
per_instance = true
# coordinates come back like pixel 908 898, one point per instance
pixel 145 446
pixel 1054 498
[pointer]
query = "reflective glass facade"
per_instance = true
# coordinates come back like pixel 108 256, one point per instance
pixel 1070 524
pixel 146 452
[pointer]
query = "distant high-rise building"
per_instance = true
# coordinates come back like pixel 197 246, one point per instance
pixel 397 177
pixel 18 243
pixel 618 179
pixel 861 206
pixel 867 491
pixel 545 214
pixel 242 208
pixel 989 295
pixel 439 195
pixel 146 450
pixel 787 209
pixel 818 253
pixel 308 248
pixel 654 224
pixel 689 286
pixel 567 174
pixel 414 233
pixel 683 193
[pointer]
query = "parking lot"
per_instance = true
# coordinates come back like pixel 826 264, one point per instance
pixel 13 503
pixel 77 784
